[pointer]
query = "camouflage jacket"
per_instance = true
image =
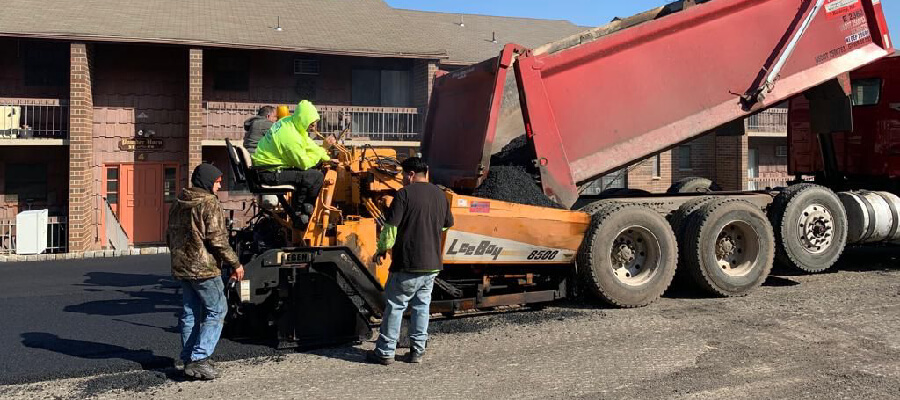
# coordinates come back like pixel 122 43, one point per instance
pixel 197 236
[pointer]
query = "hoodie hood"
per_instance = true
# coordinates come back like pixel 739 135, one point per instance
pixel 204 177
pixel 305 114
pixel 193 197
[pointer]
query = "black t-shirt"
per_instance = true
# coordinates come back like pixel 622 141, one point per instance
pixel 420 212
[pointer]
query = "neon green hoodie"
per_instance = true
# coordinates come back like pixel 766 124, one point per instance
pixel 287 143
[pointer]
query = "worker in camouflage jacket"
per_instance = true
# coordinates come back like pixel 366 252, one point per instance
pixel 198 243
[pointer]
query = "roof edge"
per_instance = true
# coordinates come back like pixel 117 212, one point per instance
pixel 437 54
pixel 488 15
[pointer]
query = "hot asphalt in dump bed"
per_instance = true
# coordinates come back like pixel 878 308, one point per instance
pixel 510 177
pixel 83 317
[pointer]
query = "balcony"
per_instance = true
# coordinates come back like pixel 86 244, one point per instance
pixel 57 235
pixel 33 121
pixel 375 125
pixel 769 123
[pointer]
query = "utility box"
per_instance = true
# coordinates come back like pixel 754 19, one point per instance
pixel 31 232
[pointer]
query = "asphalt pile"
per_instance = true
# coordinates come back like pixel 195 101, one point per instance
pixel 512 177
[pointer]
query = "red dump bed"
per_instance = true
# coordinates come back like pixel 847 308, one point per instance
pixel 616 94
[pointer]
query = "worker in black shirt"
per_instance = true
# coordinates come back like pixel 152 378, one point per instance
pixel 413 228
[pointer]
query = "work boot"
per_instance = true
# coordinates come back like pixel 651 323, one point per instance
pixel 201 369
pixel 414 357
pixel 374 358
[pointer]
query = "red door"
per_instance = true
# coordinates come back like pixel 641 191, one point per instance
pixel 141 202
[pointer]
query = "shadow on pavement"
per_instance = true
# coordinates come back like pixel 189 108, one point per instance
pixel 140 302
pixel 119 280
pixel 94 351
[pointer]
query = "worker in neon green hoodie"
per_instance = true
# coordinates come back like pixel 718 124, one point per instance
pixel 286 155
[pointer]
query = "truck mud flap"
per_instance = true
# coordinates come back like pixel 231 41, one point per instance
pixel 310 296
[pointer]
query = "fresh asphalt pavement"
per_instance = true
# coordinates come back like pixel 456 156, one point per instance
pixel 83 317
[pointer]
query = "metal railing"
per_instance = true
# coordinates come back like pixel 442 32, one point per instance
pixel 116 237
pixel 57 235
pixel 773 120
pixel 226 120
pixel 34 118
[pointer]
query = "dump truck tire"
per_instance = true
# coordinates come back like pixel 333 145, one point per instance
pixel 678 221
pixel 810 225
pixel 628 255
pixel 596 206
pixel 693 185
pixel 680 216
pixel 728 247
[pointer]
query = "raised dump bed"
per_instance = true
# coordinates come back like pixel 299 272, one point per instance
pixel 616 94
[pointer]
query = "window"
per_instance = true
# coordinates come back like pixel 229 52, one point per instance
pixel 231 73
pixel 112 186
pixel 27 181
pixel 170 186
pixel 46 64
pixel 684 157
pixel 384 88
pixel 866 92
pixel 306 66
pixel 656 165
pixel 781 151
pixel 613 180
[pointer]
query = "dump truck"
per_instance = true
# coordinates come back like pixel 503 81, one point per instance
pixel 859 162
pixel 586 105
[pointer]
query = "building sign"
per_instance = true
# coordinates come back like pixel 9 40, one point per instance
pixel 140 144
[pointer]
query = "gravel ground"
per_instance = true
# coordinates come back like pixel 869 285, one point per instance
pixel 801 337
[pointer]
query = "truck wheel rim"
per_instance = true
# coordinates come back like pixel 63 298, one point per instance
pixel 737 248
pixel 816 228
pixel 635 256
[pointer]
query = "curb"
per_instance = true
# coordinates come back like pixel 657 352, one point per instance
pixel 84 254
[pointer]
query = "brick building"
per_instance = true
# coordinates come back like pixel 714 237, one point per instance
pixel 106 108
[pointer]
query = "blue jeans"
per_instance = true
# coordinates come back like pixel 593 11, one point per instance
pixel 204 301
pixel 402 289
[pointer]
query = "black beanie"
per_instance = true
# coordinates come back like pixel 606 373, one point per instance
pixel 204 176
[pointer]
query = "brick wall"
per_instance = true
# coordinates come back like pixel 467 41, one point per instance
pixel 138 87
pixel 770 164
pixel 82 224
pixel 195 109
pixel 731 162
pixel 720 158
pixel 643 175
pixel 423 81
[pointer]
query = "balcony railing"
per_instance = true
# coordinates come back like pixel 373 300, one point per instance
pixel 34 118
pixel 772 121
pixel 379 124
pixel 57 235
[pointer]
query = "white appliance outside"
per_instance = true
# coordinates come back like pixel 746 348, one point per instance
pixel 31 232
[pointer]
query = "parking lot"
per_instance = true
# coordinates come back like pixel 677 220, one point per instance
pixel 833 335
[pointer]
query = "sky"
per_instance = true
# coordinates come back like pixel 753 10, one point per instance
pixel 581 12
